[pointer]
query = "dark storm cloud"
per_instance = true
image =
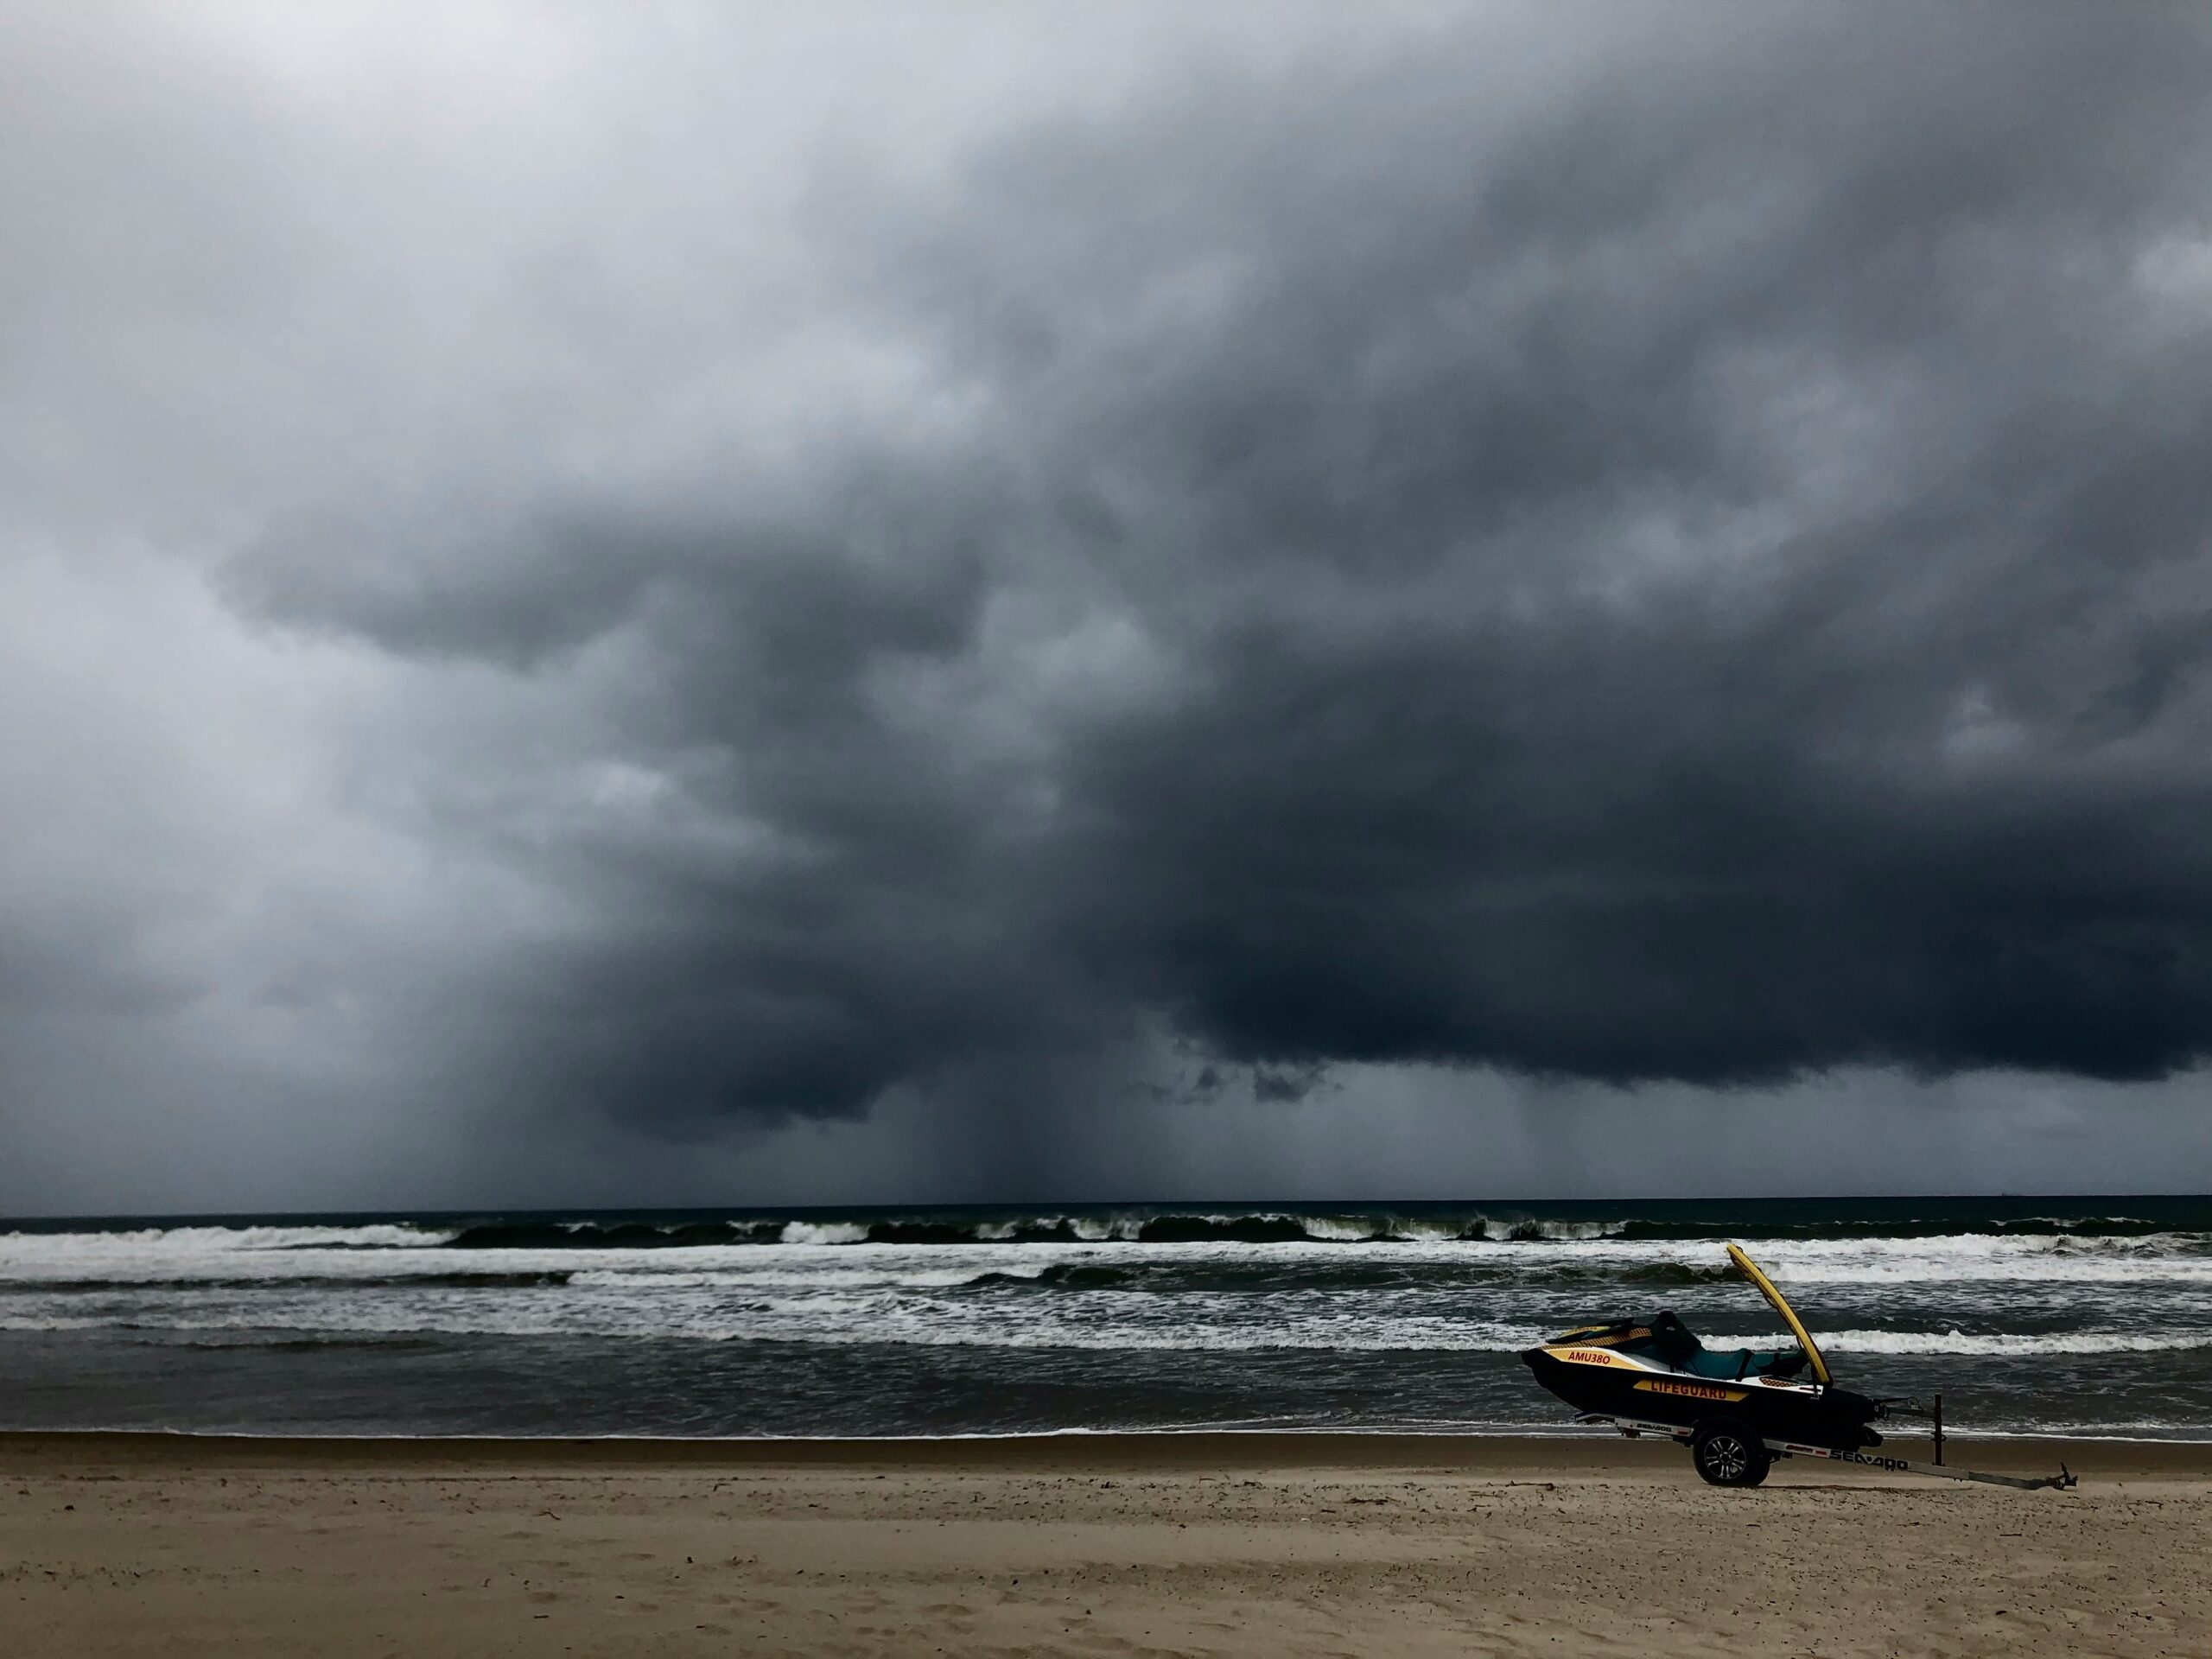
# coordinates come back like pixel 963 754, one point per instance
pixel 1703 580
pixel 1676 551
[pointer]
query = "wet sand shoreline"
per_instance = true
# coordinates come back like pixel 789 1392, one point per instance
pixel 1578 1450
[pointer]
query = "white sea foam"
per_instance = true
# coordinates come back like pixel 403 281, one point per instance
pixel 829 1232
pixel 2012 1266
pixel 877 1319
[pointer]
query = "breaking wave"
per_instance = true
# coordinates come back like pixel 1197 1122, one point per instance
pixel 1278 1226
pixel 245 1235
pixel 185 1279
pixel 1424 1225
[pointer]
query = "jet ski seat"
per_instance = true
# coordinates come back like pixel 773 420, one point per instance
pixel 1677 1345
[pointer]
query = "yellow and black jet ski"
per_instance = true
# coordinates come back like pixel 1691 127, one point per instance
pixel 1739 1408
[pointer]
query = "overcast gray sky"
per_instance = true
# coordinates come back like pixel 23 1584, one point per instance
pixel 691 603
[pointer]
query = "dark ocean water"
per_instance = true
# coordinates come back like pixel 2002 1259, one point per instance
pixel 2049 1315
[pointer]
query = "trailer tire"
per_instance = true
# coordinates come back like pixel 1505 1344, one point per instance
pixel 1728 1453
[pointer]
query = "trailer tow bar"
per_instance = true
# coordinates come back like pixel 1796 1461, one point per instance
pixel 2059 1482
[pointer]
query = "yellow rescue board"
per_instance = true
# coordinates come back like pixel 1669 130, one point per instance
pixel 1789 1314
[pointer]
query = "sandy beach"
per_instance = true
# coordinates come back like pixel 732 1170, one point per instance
pixel 1203 1544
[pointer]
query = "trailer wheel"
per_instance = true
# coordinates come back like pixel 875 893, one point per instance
pixel 1728 1453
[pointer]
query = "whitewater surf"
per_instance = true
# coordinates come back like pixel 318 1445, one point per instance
pixel 2077 1315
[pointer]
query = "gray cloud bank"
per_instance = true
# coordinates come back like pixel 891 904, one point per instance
pixel 754 567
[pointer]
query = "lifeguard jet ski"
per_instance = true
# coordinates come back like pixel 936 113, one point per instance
pixel 1736 1408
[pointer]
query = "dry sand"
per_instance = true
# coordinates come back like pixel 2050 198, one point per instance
pixel 116 1545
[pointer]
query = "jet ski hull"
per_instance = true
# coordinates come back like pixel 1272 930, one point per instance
pixel 1607 1383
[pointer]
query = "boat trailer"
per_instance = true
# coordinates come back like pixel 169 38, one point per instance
pixel 1636 1429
